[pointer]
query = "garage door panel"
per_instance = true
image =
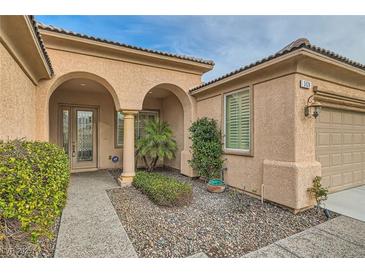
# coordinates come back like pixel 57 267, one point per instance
pixel 324 139
pixel 356 156
pixel 324 160
pixel 336 117
pixel 336 159
pixel 326 181
pixel 340 148
pixel 336 139
pixel 358 176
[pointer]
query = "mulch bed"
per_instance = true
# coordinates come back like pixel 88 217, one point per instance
pixel 18 243
pixel 228 224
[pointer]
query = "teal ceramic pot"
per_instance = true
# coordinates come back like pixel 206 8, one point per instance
pixel 216 185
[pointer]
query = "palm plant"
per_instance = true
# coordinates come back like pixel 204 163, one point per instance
pixel 157 143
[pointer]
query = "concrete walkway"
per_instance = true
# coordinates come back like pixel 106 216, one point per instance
pixel 342 237
pixel 90 226
pixel 349 202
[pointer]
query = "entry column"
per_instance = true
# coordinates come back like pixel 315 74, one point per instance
pixel 128 149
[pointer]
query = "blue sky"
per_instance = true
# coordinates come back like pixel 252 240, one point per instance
pixel 231 41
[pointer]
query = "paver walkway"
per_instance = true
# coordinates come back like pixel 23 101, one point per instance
pixel 340 237
pixel 90 226
pixel 349 202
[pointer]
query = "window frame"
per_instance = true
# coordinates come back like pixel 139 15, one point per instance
pixel 116 145
pixel 154 111
pixel 235 151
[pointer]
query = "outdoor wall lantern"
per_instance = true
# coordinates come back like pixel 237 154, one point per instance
pixel 313 108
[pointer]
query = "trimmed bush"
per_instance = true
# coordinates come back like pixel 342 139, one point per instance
pixel 206 148
pixel 33 183
pixel 163 190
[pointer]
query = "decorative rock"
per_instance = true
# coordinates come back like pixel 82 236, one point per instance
pixel 217 225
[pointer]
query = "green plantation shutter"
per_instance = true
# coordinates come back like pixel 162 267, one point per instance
pixel 238 120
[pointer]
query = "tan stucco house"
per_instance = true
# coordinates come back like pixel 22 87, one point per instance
pixel 91 96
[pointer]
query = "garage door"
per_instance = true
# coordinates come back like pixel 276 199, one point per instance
pixel 340 148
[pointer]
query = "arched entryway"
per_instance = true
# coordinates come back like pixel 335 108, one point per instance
pixel 171 104
pixel 82 119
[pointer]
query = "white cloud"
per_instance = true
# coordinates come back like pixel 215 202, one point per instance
pixel 234 41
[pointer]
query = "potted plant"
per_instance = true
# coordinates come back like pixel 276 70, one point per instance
pixel 207 152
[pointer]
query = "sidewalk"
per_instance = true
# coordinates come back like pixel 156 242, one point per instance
pixel 342 237
pixel 90 226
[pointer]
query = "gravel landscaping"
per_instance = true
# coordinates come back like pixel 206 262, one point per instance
pixel 18 244
pixel 228 224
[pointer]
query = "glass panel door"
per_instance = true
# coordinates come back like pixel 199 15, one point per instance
pixel 84 143
pixel 78 136
pixel 85 148
pixel 65 130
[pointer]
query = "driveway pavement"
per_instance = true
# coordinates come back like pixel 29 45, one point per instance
pixel 350 202
pixel 90 226
pixel 341 237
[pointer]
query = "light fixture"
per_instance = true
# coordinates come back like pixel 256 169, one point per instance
pixel 313 108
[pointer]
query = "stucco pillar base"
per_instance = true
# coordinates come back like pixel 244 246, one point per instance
pixel 287 183
pixel 126 179
pixel 185 167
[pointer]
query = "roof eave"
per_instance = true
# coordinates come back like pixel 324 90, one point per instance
pixel 32 25
pixel 309 51
pixel 248 71
pixel 50 29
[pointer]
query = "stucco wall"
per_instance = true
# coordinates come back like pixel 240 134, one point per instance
pixel 106 121
pixel 283 158
pixel 171 111
pixel 173 115
pixel 17 100
pixel 273 128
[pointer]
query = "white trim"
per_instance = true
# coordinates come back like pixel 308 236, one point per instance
pixel 236 150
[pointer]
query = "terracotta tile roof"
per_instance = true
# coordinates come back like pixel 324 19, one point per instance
pixel 183 57
pixel 295 45
pixel 41 44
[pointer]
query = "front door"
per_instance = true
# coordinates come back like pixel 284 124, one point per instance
pixel 79 136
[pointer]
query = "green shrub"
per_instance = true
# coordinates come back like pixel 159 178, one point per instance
pixel 163 190
pixel 319 192
pixel 206 148
pixel 33 182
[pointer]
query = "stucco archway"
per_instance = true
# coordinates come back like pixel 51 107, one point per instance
pixel 84 75
pixel 177 108
pixel 81 114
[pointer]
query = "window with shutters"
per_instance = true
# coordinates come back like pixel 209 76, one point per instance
pixel 237 121
pixel 139 123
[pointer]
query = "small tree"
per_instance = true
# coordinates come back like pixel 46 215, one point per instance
pixel 318 191
pixel 206 148
pixel 157 143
